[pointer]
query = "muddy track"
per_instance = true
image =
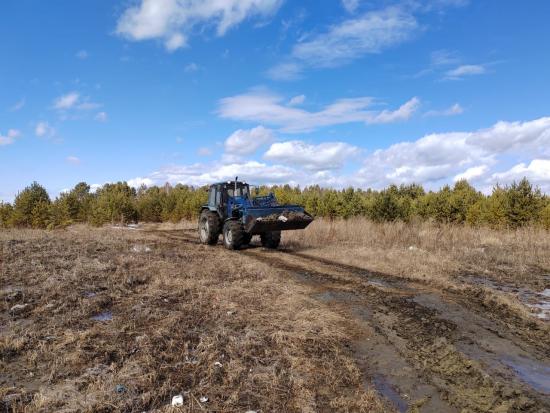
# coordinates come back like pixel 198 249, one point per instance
pixel 423 349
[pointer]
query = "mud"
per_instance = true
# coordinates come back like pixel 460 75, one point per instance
pixel 423 349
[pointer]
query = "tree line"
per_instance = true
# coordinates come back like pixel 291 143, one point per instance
pixel 511 206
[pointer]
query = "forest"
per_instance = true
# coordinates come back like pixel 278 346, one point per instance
pixel 516 205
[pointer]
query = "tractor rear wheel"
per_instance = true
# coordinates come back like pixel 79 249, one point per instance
pixel 209 227
pixel 233 235
pixel 271 239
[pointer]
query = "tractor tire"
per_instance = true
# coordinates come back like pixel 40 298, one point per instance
pixel 209 227
pixel 233 235
pixel 247 238
pixel 271 239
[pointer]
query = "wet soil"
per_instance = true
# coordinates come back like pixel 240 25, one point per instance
pixel 424 349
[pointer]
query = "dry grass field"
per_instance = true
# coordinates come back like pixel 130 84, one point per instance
pixel 346 316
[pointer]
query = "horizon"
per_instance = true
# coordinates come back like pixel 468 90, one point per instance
pixel 348 93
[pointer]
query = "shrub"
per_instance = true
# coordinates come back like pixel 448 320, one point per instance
pixel 30 207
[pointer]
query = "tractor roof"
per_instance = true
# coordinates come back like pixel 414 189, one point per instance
pixel 230 183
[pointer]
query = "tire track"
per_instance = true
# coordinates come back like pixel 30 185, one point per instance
pixel 417 346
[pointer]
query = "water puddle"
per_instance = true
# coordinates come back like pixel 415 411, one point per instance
pixel 103 316
pixel 538 302
pixel 384 387
pixel 479 342
pixel 531 372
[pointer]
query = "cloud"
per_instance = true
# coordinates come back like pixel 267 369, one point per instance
pixel 354 38
pixel 10 137
pixel 537 171
pixel 268 108
pixel 350 5
pixel 351 39
pixel 191 67
pixel 173 20
pixel 324 156
pixel 175 41
pixel 18 105
pixel 204 174
pixel 82 54
pixel 285 71
pixel 297 100
pixel 444 58
pixel 472 173
pixel 101 117
pixel 440 157
pixel 138 182
pixel 43 129
pixel 67 101
pixel 465 70
pixel 455 109
pixel 73 160
pixel 247 141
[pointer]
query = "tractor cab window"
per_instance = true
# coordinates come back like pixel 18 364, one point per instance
pixel 242 191
pixel 212 196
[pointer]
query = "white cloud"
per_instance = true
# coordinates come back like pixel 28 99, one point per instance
pixel 465 70
pixel 351 39
pixel 82 54
pixel 350 5
pixel 285 71
pixel 297 100
pixel 440 157
pixel 247 141
pixel 18 105
pixel 191 67
pixel 138 182
pixel 324 156
pixel 472 173
pixel 43 129
pixel 66 101
pixel 101 117
pixel 538 173
pixel 73 160
pixel 455 109
pixel 173 20
pixel 404 112
pixel 444 58
pixel 264 107
pixel 10 137
pixel 203 174
pixel 175 41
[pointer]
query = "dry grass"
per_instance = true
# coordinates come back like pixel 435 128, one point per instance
pixel 186 319
pixel 429 251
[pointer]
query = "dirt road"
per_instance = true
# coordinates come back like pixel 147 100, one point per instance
pixel 425 349
pixel 121 320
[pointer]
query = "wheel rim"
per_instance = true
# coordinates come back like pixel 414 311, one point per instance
pixel 228 236
pixel 204 229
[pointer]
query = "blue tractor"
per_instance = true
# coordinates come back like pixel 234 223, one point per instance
pixel 233 211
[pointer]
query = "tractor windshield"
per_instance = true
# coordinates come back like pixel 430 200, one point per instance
pixel 242 191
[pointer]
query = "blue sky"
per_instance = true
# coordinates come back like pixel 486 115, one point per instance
pixel 336 93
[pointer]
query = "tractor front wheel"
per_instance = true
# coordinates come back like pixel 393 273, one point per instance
pixel 209 227
pixel 271 239
pixel 233 235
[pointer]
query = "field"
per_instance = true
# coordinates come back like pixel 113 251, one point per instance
pixel 346 316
